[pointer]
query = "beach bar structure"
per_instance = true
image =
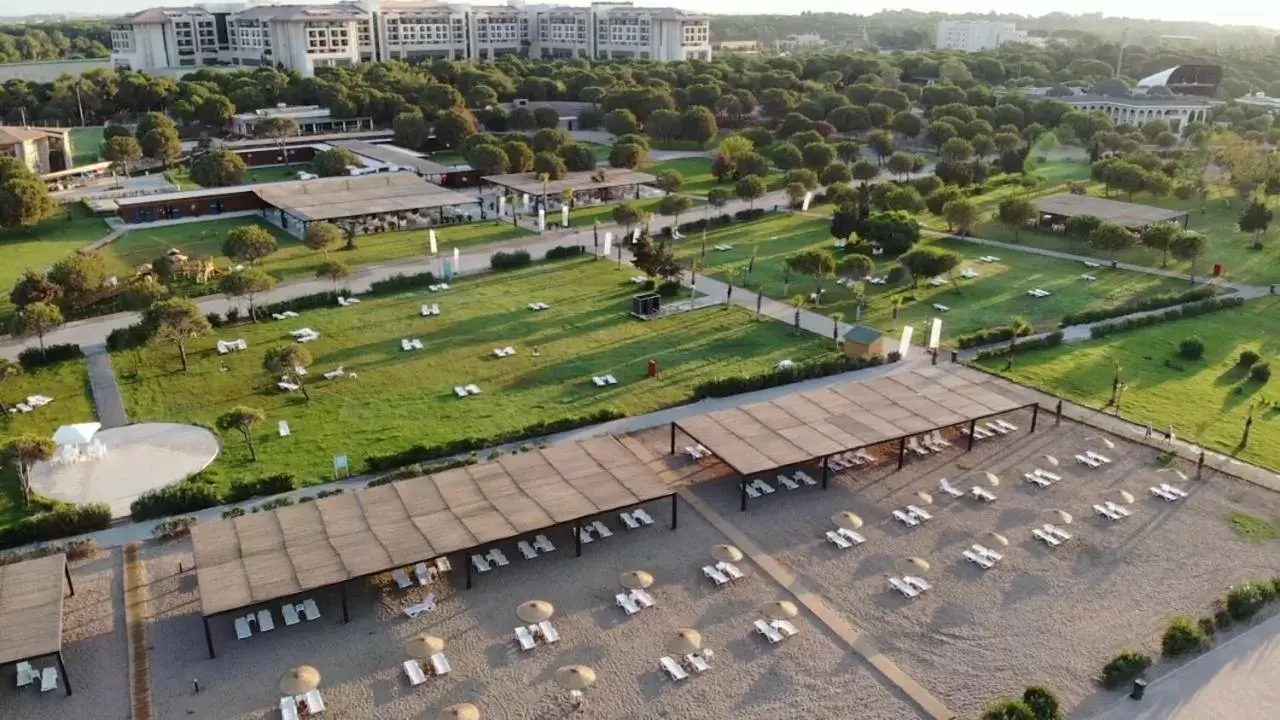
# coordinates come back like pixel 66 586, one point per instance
pixel 1064 206
pixel 31 595
pixel 600 185
pixel 810 427
pixel 263 557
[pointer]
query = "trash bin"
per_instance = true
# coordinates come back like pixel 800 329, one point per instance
pixel 1139 689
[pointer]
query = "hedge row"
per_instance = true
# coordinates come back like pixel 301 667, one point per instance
pixel 1052 340
pixel 58 521
pixel 33 358
pixel 985 336
pixel 1178 313
pixel 564 252
pixel 513 260
pixel 1139 304
pixel 200 491
pixel 402 283
pixel 724 387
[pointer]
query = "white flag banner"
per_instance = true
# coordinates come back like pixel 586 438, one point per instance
pixel 564 215
pixel 905 345
pixel 455 259
pixel 542 219
pixel 935 333
pixel 502 205
pixel 608 242
pixel 808 198
pixel 431 236
pixel 526 202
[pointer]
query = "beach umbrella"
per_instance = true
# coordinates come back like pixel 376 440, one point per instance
pixel 997 538
pixel 1126 497
pixel 575 677
pixel 846 520
pixel 78 434
pixel 992 480
pixel 300 680
pixel 915 563
pixel 924 497
pixel 461 711
pixel 1063 516
pixel 1051 460
pixel 726 553
pixel 635 580
pixel 535 611
pixel 423 646
pixel 780 610
pixel 684 641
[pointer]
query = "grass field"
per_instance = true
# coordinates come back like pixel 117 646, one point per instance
pixel 1205 400
pixel 85 143
pixel 43 245
pixel 698 179
pixel 293 259
pixel 271 173
pixel 990 300
pixel 403 398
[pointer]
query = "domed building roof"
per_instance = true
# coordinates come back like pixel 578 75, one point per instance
pixel 1112 88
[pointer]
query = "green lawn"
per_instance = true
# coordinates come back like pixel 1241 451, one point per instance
pixel 85 143
pixel 698 179
pixel 270 173
pixel 988 301
pixel 293 259
pixel 1205 400
pixel 403 398
pixel 586 216
pixel 43 245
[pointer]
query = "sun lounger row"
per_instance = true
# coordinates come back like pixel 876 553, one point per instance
pixel 636 519
pixel 305 335
pixel 347 301
pixel 1038 293
pixel 28 674
pixel 847 460
pixel 603 380
pixel 878 280
pixel 291 706
pixel 722 573
pixel 465 390
pixel 425 574
pixel 940 307
pixel 1111 511
pixel 1041 478
pixel 989 259
pixel 33 402
pixel 980 493
pixel 334 374
pixel 910 587
pixel 1092 459
pixel 428 310
pixel 1087 276
pixel 529 636
pixel 438 287
pixel 979 432
pixel 482 562
pixel 913 516
pixel 536 306
pixel 292 613
pixel 1168 493
pixel 844 538
pixel 408 344
pixel 927 444
pixel 229 346
pixel 286 315
pixel 439 666
pixel 597 527
pixel 775 631
pixel 634 601
pixel 969 273
pixel 1051 535
pixel 695 662
pixel 504 351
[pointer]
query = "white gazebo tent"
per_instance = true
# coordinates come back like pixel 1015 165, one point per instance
pixel 76 441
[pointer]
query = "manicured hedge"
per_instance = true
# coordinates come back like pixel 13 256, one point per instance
pixel 305 302
pixel 724 387
pixel 129 337
pixel 60 520
pixel 564 252
pixel 269 485
pixel 1178 313
pixel 748 215
pixel 402 283
pixel 513 260
pixel 32 358
pixel 187 496
pixel 985 336
pixel 1123 668
pixel 1053 339
pixel 1139 304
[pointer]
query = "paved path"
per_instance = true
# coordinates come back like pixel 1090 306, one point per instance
pixel 810 321
pixel 106 392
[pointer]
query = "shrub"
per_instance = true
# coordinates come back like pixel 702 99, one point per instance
pixel 60 520
pixel 184 497
pixel 1186 311
pixel 1191 348
pixel 563 252
pixel 1207 626
pixel 1042 702
pixel 748 215
pixel 302 302
pixel 724 387
pixel 1183 636
pixel 269 485
pixel 1051 340
pixel 1139 304
pixel 1244 601
pixel 215 320
pixel 669 289
pixel 1260 372
pixel 132 336
pixel 895 275
pixel 503 260
pixel 402 283
pixel 986 336
pixel 174 528
pixel 1222 619
pixel 273 504
pixel 1009 710
pixel 234 512
pixel 32 358
pixel 1248 358
pixel 1124 668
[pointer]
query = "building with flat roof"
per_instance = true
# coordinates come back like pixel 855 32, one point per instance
pixel 975 35
pixel 42 150
pixel 311 119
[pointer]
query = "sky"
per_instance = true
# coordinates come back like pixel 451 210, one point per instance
pixel 1228 12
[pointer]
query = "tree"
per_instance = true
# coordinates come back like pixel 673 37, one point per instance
pixel 750 188
pixel 334 162
pixel 39 319
pixel 122 151
pixel 621 122
pixel 1042 702
pixel 218 168
pixel 1111 237
pixel 549 164
pixel 577 157
pixel 248 243
pixel 1254 218
pixel 787 156
pixel 816 264
pixel 549 140
pixel 836 173
pixel 928 262
pixel 1166 140
pixel 321 236
pixel 276 127
pixel 1188 247
pixel 961 215
pixel 161 144
pixel 848 151
pixel 807 178
pixel 939 132
pixel 454 126
pixel 670 181
pixel 894 232
pixel 865 170
pixel 519 157
pixel 698 125
pixel 850 118
pixel 818 156
pixel 244 420
pixel 246 283
pixel 856 266
pixel 957 150
pixel 31 287
pixel 626 215
pixel 23 452
pixel 718 197
pixel 655 259
pixel 546 117
pixel 627 155
pixel 489 159
pixel 24 202
pixel 412 129
pixel 1009 710
pixel 905 198
pixel 798 302
pixel 902 163
pixel 906 124
pixel 1160 236
pixel 881 143
pixel 179 321
pixel 674 205
pixel 1016 213
pixel 215 110
pixel 79 275
pixel 844 221
pixel 795 193
pixel 8 369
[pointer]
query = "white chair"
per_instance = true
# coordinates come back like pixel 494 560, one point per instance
pixel 673 669
pixel 1045 537
pixel 414 670
pixel 715 575
pixel 527 550
pixel 290 614
pixel 49 679
pixel 440 664
pixel 265 621
pixel 310 610
pixel 626 603
pixel 642 598
pixel 838 540
pixel 549 632
pixel 905 519
pixel 242 629
pixel 525 638
pixel 543 544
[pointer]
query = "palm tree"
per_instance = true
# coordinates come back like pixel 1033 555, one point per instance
pixel 836 317
pixel 799 301
pixel 1018 326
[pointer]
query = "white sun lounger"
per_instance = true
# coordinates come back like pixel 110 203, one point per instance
pixel 987 552
pixel 764 487
pixel 548 631
pixel 1173 490
pixel 1006 425
pixel 626 603
pixel 601 382
pixel 673 669
pixel 459 391
pixel 584 534
pixel 310 609
pixel 751 490
pixel 284 428
pixel 242 629
pixel 805 478
pixel 1056 531
pixel 423 573
pixel 265 622
pixel 919 512
pixel 851 536
pixel 786 628
pixel 440 664
pixel 629 521
pixel 527 550
pixel 838 540
pixel 945 486
pixel 715 575
pixel 1052 477
pixel 49 679
pixel 402 578
pixel 788 483
pixel 287 386
pixel 699 663
pixel 1086 460
pixel 902 587
pixel 936 437
pixel 643 516
pixel 1120 510
pixel 1163 494
pixel 478 562
pixel 525 638
pixel 768 631
pixel 414 670
pixel 1097 456
pixel 427 605
pixel 905 519
pixel 1106 512
pixel 543 544
pixel 983 494
pixel 473 389
pixel 914 446
pixel 1037 480
pixel 980 561
pixel 731 570
pixel 288 708
pixel 1045 537
pixel 601 529
pixel 940 307
pixel 642 598
pixel 290 614
pixel 997 428
pixel 26 674
pixel 918 583
pixel 497 558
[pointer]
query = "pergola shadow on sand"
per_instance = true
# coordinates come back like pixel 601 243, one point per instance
pixel 805 428
pixel 255 559
pixel 1130 215
pixel 31 611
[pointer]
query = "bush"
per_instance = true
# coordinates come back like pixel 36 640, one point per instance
pixel 1222 619
pixel 1042 702
pixel 215 320
pixel 669 289
pixel 895 275
pixel 1207 626
pixel 1052 340
pixel 32 358
pixel 81 549
pixel 1260 372
pixel 748 215
pixel 132 336
pixel 269 485
pixel 402 283
pixel 1186 311
pixel 724 387
pixel 174 528
pixel 1191 348
pixel 1139 304
pixel 1244 601
pixel 302 302
pixel 513 260
pixel 234 512
pixel 1009 710
pixel 1248 358
pixel 60 520
pixel 273 504
pixel 564 252
pixel 1124 668
pixel 986 336
pixel 1183 636
pixel 184 497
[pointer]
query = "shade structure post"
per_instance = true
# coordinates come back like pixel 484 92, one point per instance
pixel 62 670
pixel 66 571
pixel 577 539
pixel 742 493
pixel 902 452
pixel 342 593
pixel 673 438
pixel 1035 415
pixel 208 637
pixel 675 511
pixel 826 470
pixel 464 562
pixel 973 425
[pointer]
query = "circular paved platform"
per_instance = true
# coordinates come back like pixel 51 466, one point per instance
pixel 139 457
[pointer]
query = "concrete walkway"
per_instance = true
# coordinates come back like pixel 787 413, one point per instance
pixel 106 392
pixel 810 321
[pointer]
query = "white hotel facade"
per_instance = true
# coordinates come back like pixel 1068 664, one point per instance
pixel 305 37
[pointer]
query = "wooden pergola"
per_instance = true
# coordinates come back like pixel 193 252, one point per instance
pixel 31 595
